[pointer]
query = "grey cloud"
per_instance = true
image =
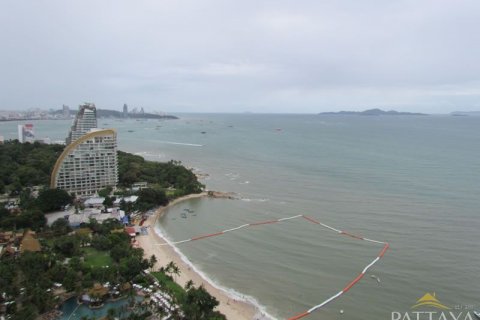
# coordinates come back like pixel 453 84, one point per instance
pixel 231 56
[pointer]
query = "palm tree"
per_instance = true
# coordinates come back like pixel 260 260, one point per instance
pixel 188 285
pixel 152 262
pixel 170 267
pixel 176 271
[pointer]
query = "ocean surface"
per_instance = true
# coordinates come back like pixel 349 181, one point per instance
pixel 413 181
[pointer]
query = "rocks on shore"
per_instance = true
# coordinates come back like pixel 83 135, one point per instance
pixel 222 195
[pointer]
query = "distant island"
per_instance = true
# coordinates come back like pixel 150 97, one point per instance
pixel 374 112
pixel 466 113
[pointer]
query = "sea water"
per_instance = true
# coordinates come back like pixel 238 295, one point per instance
pixel 413 181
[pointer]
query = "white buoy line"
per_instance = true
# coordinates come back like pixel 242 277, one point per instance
pixel 325 302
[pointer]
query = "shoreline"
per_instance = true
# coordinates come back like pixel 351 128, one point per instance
pixel 231 307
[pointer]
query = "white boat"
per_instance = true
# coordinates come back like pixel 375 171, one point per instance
pixel 477 314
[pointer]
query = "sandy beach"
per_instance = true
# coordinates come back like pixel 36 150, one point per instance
pixel 233 309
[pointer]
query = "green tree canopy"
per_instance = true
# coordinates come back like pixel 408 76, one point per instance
pixel 26 164
pixel 105 192
pixel 60 227
pixel 53 199
pixel 149 198
pixel 33 219
pixel 172 174
pixel 67 245
pixel 199 305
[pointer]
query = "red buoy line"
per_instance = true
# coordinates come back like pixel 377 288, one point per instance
pixel 229 230
pixel 354 281
pixel 310 219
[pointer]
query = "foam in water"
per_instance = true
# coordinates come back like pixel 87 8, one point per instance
pixel 233 176
pixel 262 313
pixel 254 200
pixel 182 143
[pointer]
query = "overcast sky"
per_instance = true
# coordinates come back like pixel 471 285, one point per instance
pixel 245 55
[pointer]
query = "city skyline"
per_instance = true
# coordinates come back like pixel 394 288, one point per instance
pixel 269 57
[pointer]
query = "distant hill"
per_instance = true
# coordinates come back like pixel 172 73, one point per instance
pixel 374 112
pixel 103 113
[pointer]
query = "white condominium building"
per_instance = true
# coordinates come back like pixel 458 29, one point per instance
pixel 85 120
pixel 88 163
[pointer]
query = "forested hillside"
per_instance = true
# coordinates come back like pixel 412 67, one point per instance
pixel 24 165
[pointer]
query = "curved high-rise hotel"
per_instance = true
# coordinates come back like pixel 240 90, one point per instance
pixel 89 162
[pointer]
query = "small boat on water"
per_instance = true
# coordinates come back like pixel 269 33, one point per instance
pixel 183 215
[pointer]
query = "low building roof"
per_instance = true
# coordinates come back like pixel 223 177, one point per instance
pixel 29 243
pixel 94 201
pixel 98 290
pixel 130 231
pixel 131 199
